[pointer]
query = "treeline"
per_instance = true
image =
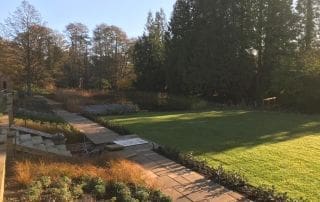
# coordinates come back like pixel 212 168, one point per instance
pixel 230 51
pixel 234 51
pixel 35 56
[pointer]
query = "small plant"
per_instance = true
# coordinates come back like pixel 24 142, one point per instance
pixel 121 191
pixel 141 193
pixel 45 181
pixel 99 188
pixel 34 191
pixel 77 190
pixel 159 197
pixel 61 190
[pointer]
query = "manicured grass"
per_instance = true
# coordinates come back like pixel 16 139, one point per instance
pixel 268 148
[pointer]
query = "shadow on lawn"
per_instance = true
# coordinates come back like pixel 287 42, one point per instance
pixel 220 131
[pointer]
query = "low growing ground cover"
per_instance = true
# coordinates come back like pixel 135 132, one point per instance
pixel 57 179
pixel 268 148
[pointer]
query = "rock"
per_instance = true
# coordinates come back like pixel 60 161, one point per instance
pixel 48 142
pixel 27 143
pixel 37 140
pixel 25 138
pixel 114 147
pixel 40 147
pixel 3 139
pixel 61 147
pixel 53 150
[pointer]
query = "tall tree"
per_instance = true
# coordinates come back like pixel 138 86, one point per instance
pixel 112 59
pixel 22 27
pixel 77 68
pixel 309 23
pixel 149 54
pixel 275 38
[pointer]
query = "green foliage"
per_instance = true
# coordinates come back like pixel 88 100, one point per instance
pixel 121 191
pixel 45 181
pixel 158 102
pixel 142 194
pixel 61 190
pixel 159 197
pixel 99 188
pixel 149 55
pixel 66 189
pixel 34 191
pixel 295 83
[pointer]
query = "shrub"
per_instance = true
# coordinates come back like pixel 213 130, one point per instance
pixel 98 187
pixel 158 196
pixel 121 130
pixel 141 193
pixel 162 102
pixel 38 116
pixel 77 190
pixel 121 191
pixel 34 191
pixel 111 109
pixel 72 135
pixel 45 181
pixel 61 189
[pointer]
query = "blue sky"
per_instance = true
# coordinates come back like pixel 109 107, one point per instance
pixel 130 15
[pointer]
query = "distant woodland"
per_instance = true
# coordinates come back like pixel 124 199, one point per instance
pixel 230 51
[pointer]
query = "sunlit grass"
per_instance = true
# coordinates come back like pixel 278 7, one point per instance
pixel 268 148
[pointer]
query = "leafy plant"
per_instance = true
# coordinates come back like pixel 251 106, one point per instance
pixel 34 191
pixel 61 189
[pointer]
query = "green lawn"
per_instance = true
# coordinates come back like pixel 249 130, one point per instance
pixel 268 148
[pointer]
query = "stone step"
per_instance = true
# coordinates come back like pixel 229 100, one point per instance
pixel 37 140
pixel 114 147
pixel 25 138
pixel 48 142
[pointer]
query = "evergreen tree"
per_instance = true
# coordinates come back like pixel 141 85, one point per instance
pixel 149 54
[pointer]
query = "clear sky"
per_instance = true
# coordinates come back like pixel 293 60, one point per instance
pixel 130 15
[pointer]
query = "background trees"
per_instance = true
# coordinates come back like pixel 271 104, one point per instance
pixel 111 57
pixel 227 51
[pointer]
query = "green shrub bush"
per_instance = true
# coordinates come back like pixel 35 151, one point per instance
pixel 34 191
pixel 65 189
pixel 159 102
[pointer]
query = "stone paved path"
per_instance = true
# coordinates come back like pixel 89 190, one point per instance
pixel 175 180
pixel 93 131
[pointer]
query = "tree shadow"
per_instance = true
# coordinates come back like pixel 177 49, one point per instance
pixel 221 131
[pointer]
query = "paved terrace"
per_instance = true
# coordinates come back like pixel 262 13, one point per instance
pixel 175 180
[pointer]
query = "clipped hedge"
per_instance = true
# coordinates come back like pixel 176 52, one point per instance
pixel 230 180
pixel 121 130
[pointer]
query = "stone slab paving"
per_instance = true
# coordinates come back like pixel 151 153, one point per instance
pixel 175 180
pixel 181 183
pixel 93 131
